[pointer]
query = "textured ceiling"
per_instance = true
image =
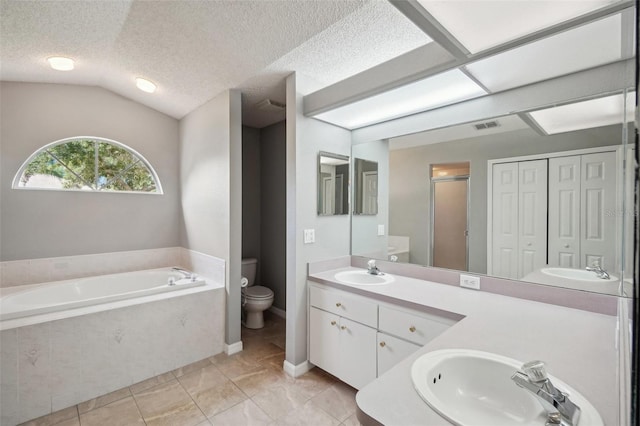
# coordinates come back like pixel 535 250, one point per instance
pixel 194 50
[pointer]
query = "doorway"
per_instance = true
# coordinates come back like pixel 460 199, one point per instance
pixel 450 216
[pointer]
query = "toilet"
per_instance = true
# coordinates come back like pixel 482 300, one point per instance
pixel 255 298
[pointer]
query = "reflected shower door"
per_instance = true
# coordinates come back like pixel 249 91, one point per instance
pixel 449 229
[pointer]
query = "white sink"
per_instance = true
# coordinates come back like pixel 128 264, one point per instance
pixel 363 278
pixel 575 274
pixel 470 387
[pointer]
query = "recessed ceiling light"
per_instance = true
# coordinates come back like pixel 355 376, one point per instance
pixel 60 63
pixel 145 85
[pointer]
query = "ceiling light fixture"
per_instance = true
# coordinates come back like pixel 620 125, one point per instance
pixel 145 85
pixel 60 63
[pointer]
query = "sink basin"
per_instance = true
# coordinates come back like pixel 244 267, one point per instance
pixel 363 278
pixel 575 274
pixel 470 387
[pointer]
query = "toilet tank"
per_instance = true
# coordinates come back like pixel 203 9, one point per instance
pixel 249 267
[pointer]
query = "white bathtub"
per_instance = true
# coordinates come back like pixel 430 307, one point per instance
pixel 69 294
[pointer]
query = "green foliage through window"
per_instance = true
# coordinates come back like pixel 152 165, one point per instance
pixel 89 165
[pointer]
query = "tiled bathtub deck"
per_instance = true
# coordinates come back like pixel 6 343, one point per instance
pixel 246 388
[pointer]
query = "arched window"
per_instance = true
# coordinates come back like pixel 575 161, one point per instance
pixel 87 164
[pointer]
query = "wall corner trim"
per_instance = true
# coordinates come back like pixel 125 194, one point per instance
pixel 296 370
pixel 233 348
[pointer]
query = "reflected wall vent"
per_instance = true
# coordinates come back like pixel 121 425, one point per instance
pixel 486 125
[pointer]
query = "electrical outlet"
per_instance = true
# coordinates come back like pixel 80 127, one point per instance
pixel 309 236
pixel 469 281
pixel 380 230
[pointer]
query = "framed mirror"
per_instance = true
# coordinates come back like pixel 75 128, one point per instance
pixel 365 195
pixel 333 184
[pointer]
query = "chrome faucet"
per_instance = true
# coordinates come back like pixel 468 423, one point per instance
pixel 373 269
pixel 601 273
pixel 560 409
pixel 188 275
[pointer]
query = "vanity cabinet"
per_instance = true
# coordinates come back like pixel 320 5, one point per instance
pixel 392 350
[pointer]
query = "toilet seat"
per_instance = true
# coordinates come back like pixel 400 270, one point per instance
pixel 257 292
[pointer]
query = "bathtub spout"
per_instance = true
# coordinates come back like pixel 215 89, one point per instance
pixel 188 275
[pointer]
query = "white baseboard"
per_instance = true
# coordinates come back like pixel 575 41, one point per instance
pixel 296 370
pixel 233 348
pixel 279 312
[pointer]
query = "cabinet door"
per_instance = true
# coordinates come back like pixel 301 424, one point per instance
pixel 532 216
pixel 357 363
pixel 324 342
pixel 504 253
pixel 391 351
pixel 598 196
pixel 564 211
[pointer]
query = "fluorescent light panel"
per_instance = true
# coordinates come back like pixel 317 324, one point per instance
pixel 481 24
pixel 581 48
pixel 586 114
pixel 439 90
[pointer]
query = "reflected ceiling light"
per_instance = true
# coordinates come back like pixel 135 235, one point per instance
pixel 480 25
pixel 586 115
pixel 61 63
pixel 145 85
pixel 442 89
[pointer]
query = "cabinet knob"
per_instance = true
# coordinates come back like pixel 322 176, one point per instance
pixel 412 329
pixel 333 323
pixel 566 246
pixel 529 244
pixel 383 344
pixel 343 327
pixel 338 304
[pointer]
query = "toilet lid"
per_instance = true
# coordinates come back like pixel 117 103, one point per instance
pixel 258 292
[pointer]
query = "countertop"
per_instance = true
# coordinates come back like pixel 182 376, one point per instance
pixel 578 346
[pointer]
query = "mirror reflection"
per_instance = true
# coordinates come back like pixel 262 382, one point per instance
pixel 333 184
pixel 366 187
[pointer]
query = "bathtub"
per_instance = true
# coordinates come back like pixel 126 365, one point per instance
pixel 65 342
pixel 69 294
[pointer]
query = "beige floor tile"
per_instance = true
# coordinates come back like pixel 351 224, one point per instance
pixel 261 379
pixel 71 422
pixel 352 420
pixel 123 412
pixel 54 418
pixel 149 383
pixel 245 413
pixel 103 400
pixel 205 423
pixel 279 401
pixel 313 383
pixel 274 362
pixel 202 379
pixel 307 415
pixel 222 397
pixel 168 404
pixel 260 351
pixel 192 367
pixel 338 399
pixel 235 366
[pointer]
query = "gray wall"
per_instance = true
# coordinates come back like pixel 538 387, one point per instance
pixel 251 188
pixel 36 224
pixel 211 183
pixel 409 211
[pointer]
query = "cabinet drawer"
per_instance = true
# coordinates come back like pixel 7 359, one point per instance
pixel 346 305
pixel 415 327
pixel 391 351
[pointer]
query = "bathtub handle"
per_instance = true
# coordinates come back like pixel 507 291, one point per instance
pixel 172 281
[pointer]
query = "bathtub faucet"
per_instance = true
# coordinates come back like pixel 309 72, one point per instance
pixel 188 275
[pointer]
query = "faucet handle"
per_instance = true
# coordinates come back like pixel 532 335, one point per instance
pixel 535 370
pixel 371 264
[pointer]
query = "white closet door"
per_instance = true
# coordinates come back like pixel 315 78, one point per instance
pixel 564 211
pixel 532 216
pixel 598 202
pixel 504 256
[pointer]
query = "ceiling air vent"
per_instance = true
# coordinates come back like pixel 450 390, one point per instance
pixel 270 106
pixel 486 125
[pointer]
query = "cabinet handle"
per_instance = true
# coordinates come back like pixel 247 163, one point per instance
pixel 343 327
pixel 338 304
pixel 412 329
pixel 333 323
pixel 566 246
pixel 383 344
pixel 529 244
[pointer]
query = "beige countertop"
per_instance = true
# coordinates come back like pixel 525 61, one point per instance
pixel 578 346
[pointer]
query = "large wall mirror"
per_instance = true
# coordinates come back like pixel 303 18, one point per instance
pixel 333 184
pixel 543 185
pixel 365 195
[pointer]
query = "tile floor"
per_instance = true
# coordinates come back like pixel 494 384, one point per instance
pixel 247 388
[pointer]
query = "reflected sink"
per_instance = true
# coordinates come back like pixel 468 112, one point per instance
pixel 363 278
pixel 575 274
pixel 470 387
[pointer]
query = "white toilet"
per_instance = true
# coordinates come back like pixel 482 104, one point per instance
pixel 255 298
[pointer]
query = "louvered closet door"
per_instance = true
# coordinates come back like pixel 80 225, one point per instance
pixel 532 216
pixel 564 211
pixel 504 255
pixel 598 196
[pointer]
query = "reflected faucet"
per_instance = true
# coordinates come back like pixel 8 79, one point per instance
pixel 373 269
pixel 601 273
pixel 560 409
pixel 188 275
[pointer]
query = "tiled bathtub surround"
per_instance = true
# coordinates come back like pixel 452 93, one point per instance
pixel 53 365
pixel 33 271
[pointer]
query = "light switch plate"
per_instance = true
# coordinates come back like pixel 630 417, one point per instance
pixel 380 230
pixel 469 281
pixel 309 236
